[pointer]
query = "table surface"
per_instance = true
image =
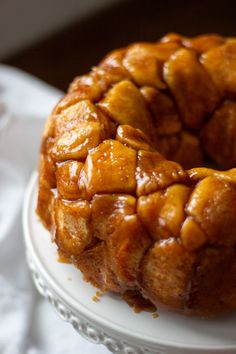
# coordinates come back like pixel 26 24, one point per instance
pixel 73 50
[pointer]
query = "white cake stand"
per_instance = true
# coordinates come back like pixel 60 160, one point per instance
pixel 110 321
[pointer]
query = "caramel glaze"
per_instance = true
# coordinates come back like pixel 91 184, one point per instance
pixel 137 302
pixel 121 185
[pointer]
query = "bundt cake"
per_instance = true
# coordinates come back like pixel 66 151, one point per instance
pixel 121 187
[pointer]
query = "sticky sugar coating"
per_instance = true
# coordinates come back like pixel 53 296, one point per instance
pixel 121 185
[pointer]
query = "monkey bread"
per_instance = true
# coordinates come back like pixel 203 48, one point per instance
pixel 123 183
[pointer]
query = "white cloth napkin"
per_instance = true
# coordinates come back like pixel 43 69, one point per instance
pixel 28 324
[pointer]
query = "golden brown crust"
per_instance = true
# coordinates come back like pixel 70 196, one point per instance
pixel 113 187
pixel 166 270
pixel 192 87
pixel 221 128
pixel 220 62
pixel 215 270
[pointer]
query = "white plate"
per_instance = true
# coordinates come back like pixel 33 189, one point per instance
pixel 110 321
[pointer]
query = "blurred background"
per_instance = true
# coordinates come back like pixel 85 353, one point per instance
pixel 57 39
